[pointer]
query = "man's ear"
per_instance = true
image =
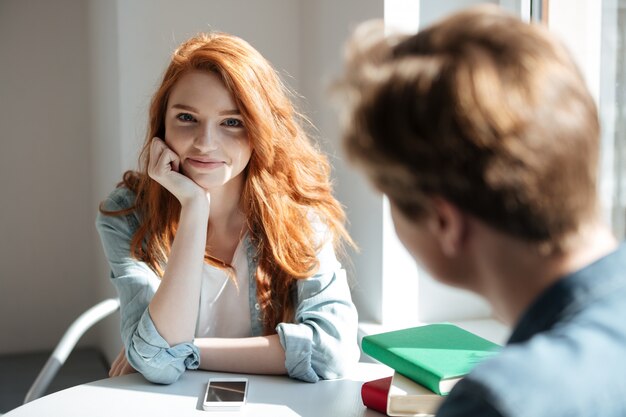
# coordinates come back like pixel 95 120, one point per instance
pixel 449 225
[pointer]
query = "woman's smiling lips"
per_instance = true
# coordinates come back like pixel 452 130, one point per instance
pixel 204 163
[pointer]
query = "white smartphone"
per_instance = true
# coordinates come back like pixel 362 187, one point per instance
pixel 225 394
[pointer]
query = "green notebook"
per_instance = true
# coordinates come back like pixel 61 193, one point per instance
pixel 436 355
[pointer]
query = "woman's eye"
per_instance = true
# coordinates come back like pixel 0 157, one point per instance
pixel 185 117
pixel 233 123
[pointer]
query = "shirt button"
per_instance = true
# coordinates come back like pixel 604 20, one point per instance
pixel 257 306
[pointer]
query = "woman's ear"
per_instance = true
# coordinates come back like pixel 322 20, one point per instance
pixel 449 226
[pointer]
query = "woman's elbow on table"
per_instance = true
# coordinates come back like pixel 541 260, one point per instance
pixel 165 376
pixel 339 364
pixel 156 373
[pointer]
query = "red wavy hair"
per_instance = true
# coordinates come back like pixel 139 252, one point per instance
pixel 287 180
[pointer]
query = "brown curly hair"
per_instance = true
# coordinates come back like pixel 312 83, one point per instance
pixel 482 109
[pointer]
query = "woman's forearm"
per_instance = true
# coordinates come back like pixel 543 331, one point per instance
pixel 254 355
pixel 174 307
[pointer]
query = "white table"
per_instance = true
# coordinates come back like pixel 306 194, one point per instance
pixel 272 396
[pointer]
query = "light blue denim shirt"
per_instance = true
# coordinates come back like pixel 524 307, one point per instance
pixel 320 343
pixel 565 358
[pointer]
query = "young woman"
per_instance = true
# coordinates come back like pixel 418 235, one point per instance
pixel 222 246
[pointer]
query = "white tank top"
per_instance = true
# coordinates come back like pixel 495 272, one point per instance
pixel 224 306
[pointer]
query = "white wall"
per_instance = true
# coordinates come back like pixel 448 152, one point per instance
pixel 325 26
pixel 46 216
pixel 107 141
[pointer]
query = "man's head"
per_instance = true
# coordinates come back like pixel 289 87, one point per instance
pixel 483 111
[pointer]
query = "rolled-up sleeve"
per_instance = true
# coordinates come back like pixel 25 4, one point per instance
pixel 322 341
pixel 136 284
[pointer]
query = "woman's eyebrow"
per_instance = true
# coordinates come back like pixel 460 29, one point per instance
pixel 185 107
pixel 229 112
pixel 193 109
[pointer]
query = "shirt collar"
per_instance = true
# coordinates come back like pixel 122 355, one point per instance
pixel 571 293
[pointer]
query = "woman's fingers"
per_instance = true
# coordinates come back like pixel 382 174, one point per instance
pixel 157 148
pixel 164 167
pixel 164 164
pixel 163 161
pixel 120 365
pixel 126 368
pixel 154 153
pixel 117 363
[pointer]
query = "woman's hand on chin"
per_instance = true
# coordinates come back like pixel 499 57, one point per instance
pixel 164 167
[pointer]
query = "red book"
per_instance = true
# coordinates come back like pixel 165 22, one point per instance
pixel 374 394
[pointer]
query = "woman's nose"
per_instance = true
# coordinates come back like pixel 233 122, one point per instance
pixel 207 138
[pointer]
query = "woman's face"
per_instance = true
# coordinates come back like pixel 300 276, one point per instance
pixel 204 127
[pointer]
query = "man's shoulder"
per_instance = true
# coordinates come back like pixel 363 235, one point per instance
pixel 565 371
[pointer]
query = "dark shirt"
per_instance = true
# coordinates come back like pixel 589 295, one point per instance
pixel 565 358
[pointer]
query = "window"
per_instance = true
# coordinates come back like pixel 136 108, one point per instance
pixel 613 108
